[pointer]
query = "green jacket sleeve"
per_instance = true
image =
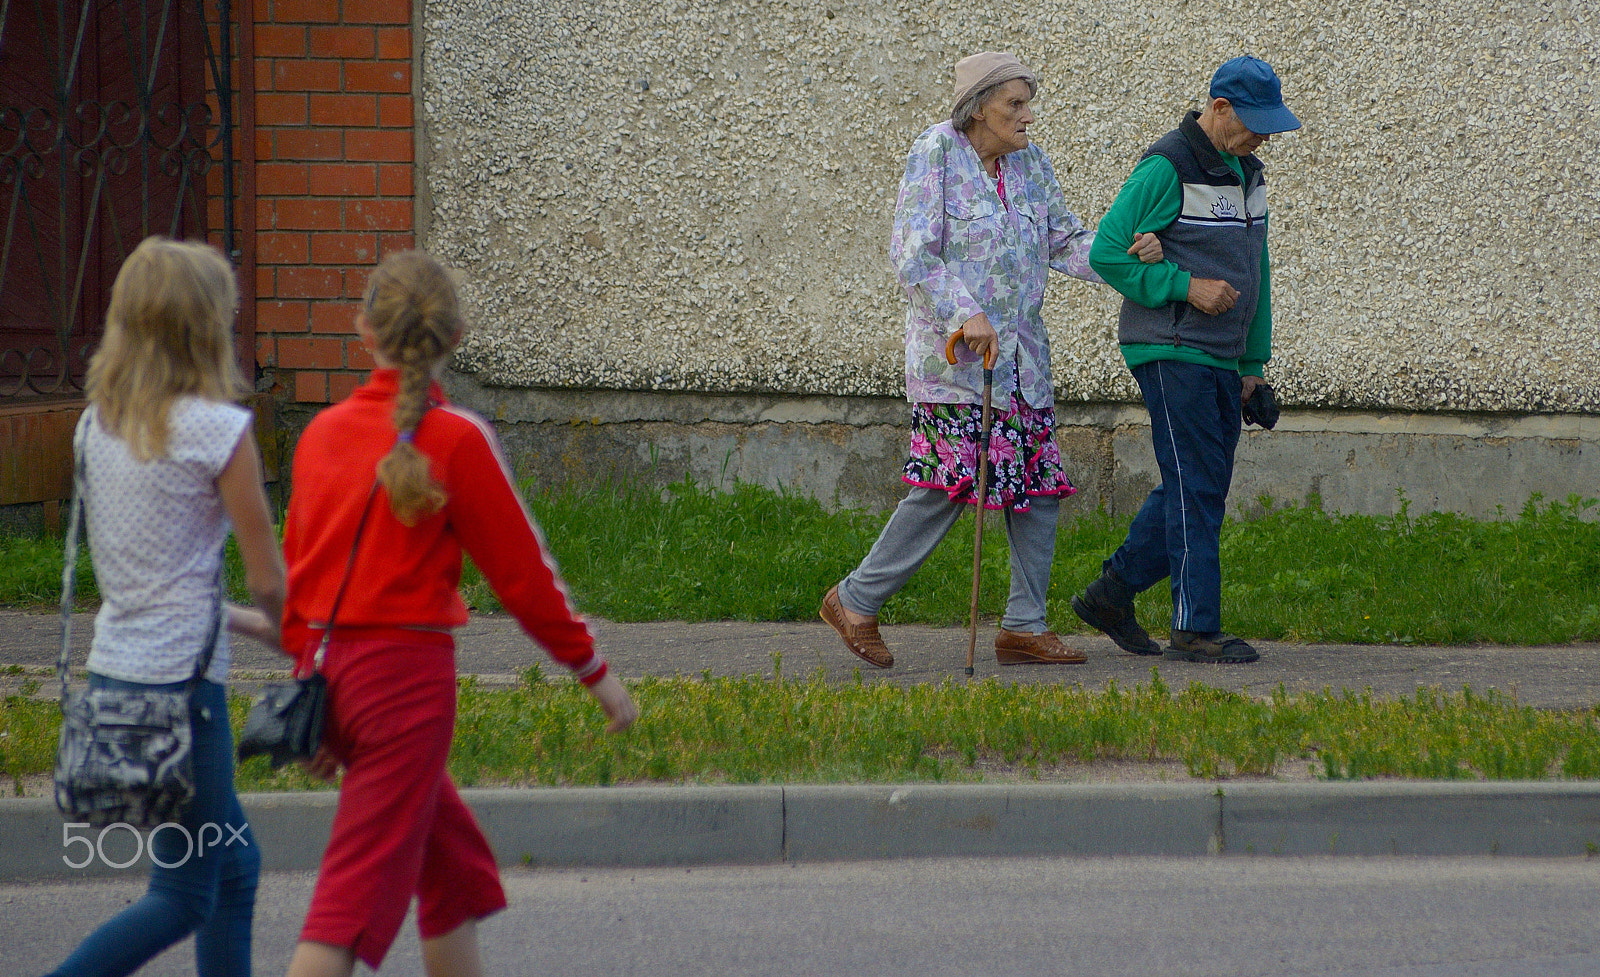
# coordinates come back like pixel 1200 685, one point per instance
pixel 1258 341
pixel 1149 201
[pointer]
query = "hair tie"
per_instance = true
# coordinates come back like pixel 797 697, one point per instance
pixel 406 437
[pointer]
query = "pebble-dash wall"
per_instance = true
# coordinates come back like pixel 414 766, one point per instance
pixel 696 194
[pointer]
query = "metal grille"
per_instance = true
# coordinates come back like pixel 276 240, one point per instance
pixel 107 136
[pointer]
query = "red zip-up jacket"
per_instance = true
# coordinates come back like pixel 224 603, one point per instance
pixel 406 577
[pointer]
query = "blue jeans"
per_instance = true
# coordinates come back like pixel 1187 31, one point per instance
pixel 1194 424
pixel 209 890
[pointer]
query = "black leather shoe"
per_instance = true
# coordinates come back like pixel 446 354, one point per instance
pixel 1107 605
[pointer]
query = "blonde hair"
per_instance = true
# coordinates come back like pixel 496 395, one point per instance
pixel 169 332
pixel 411 308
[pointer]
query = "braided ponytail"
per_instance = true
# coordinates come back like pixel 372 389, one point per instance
pixel 411 308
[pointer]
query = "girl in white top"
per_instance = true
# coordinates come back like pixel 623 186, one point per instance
pixel 169 464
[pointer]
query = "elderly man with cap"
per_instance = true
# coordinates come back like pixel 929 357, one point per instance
pixel 1196 330
pixel 979 223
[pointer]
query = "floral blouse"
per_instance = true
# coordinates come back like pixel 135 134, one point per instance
pixel 959 251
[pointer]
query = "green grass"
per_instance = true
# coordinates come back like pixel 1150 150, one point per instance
pixel 755 730
pixel 1303 575
pixel 30 573
pixel 633 552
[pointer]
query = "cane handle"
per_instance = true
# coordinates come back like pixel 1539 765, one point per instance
pixel 950 350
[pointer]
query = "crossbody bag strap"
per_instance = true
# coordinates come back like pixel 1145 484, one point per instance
pixel 69 570
pixel 350 563
pixel 214 634
pixel 349 567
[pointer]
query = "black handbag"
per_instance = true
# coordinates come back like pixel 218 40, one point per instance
pixel 124 755
pixel 286 719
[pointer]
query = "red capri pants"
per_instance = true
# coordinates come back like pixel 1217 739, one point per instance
pixel 401 828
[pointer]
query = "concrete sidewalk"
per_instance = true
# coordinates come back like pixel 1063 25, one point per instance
pixel 640 826
pixel 493 647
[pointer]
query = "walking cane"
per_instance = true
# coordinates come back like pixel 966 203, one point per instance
pixel 983 482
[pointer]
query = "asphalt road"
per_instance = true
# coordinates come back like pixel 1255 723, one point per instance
pixel 1482 917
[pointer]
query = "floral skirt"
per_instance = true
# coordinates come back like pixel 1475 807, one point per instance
pixel 1022 452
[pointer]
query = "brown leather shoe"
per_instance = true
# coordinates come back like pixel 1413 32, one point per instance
pixel 862 639
pixel 1022 648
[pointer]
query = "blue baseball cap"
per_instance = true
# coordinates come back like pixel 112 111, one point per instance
pixel 1252 88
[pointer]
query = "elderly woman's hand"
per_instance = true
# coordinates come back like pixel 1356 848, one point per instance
pixel 980 337
pixel 1148 247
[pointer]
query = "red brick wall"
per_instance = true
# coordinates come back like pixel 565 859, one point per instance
pixel 332 179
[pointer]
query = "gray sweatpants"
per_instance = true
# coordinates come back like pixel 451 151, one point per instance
pixel 921 520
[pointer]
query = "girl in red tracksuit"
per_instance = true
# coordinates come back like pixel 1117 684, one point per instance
pixel 442 488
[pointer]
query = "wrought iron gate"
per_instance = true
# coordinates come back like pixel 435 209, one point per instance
pixel 113 116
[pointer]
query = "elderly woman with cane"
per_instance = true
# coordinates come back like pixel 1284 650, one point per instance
pixel 979 223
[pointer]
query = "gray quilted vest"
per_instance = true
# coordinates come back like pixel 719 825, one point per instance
pixel 1219 233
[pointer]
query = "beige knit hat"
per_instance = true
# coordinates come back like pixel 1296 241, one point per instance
pixel 979 71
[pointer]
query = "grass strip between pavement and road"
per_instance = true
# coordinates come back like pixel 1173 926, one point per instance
pixel 757 730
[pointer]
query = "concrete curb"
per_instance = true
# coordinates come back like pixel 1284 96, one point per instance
pixel 653 826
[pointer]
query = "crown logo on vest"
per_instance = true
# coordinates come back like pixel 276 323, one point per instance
pixel 1224 208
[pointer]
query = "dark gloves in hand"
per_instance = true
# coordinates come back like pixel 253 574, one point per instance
pixel 1262 407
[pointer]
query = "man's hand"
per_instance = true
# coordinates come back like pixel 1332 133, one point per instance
pixel 1247 386
pixel 1213 296
pixel 980 336
pixel 1147 248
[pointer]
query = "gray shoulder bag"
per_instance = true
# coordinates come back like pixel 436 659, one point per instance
pixel 125 755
